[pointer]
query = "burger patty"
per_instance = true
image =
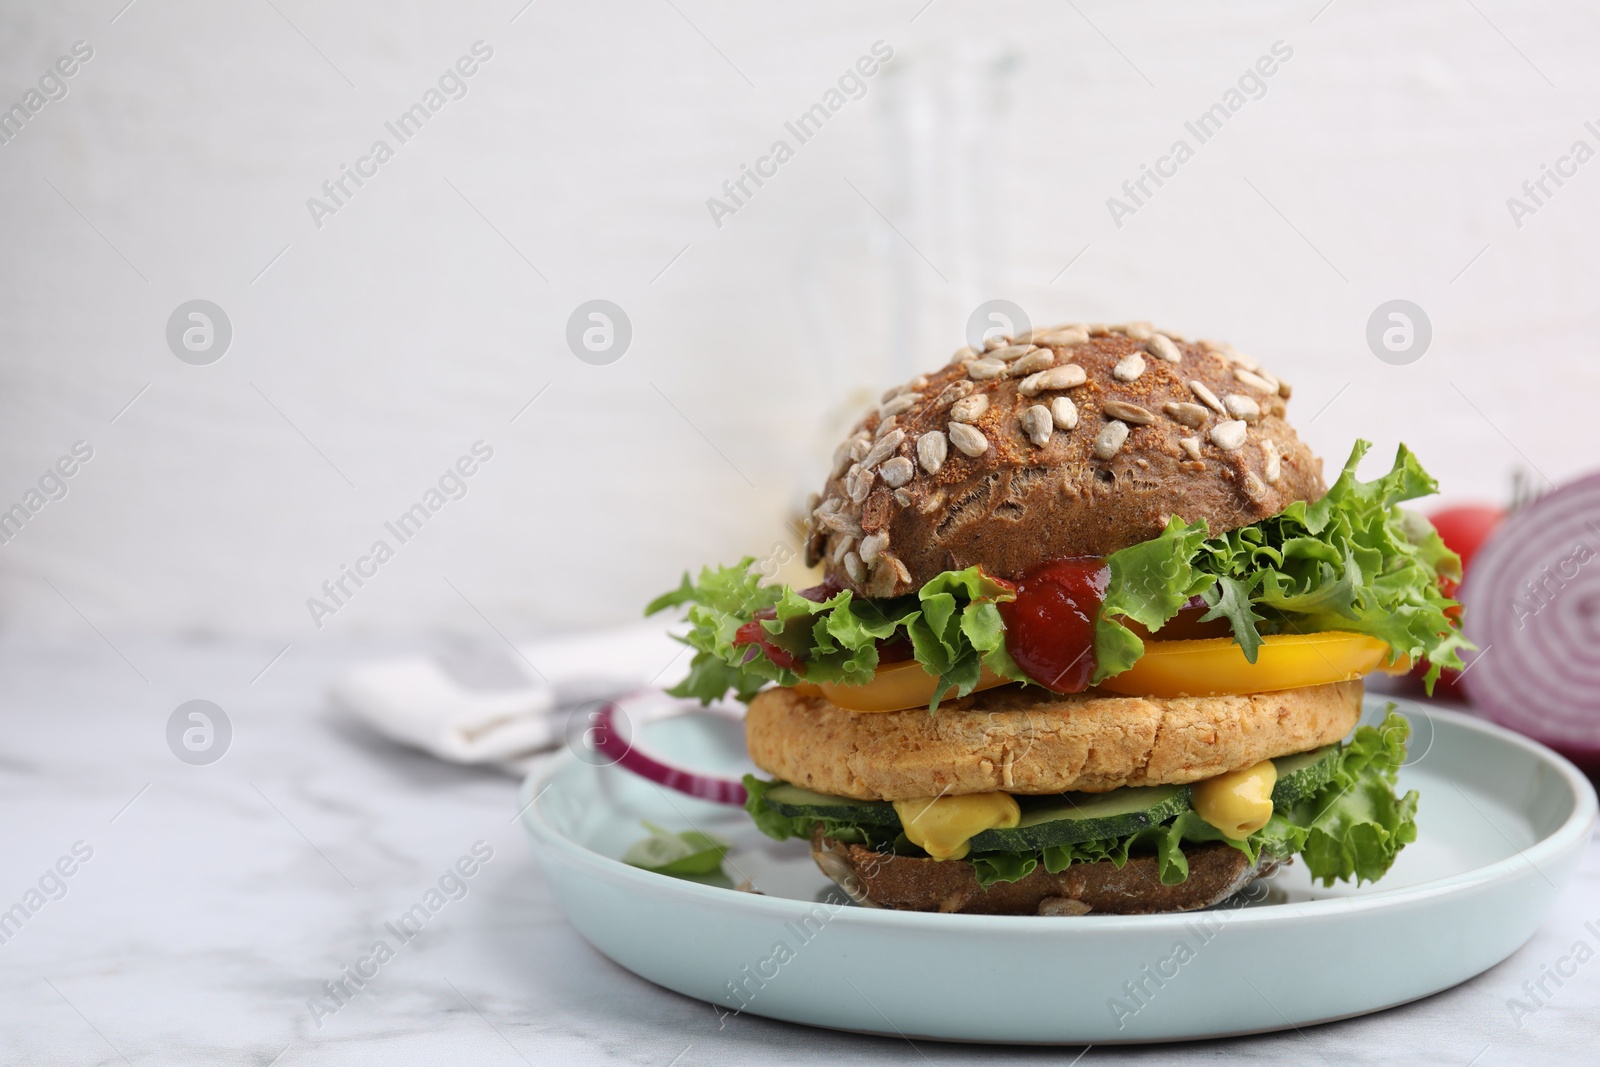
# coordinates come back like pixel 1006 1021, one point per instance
pixel 1031 741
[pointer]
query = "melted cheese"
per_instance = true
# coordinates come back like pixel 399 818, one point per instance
pixel 1238 803
pixel 942 826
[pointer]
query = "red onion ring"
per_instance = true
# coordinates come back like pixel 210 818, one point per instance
pixel 1532 606
pixel 609 742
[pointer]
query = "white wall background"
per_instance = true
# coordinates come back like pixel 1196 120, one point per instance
pixel 412 323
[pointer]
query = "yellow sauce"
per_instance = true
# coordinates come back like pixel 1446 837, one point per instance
pixel 942 826
pixel 1238 803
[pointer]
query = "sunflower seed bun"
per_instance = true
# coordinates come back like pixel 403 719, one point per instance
pixel 1072 441
pixel 1031 741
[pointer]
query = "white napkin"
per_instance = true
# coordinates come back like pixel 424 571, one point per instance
pixel 416 702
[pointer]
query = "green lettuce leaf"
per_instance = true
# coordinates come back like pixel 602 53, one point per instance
pixel 781 827
pixel 993 867
pixel 1353 561
pixel 1353 828
pixel 952 622
pixel 687 853
pixel 1356 825
pixel 1148 583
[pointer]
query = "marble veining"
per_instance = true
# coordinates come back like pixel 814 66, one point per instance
pixel 222 903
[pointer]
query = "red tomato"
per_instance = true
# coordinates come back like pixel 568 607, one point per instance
pixel 1465 527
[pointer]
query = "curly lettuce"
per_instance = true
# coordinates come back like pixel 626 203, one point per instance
pixel 952 622
pixel 781 827
pixel 1353 561
pixel 1350 829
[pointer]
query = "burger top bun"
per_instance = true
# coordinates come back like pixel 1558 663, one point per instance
pixel 1072 440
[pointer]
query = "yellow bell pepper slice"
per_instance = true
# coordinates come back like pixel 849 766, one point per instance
pixel 896 687
pixel 1206 667
pixel 1216 666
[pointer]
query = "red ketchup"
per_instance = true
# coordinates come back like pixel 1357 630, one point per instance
pixel 892 650
pixel 1050 626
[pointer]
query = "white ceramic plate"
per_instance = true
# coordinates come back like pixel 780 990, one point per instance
pixel 1502 821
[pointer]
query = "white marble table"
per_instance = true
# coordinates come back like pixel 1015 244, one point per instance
pixel 219 899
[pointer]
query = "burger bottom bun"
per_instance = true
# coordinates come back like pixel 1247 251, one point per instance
pixel 908 883
pixel 1030 741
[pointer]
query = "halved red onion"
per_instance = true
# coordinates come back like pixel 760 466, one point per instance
pixel 609 741
pixel 1532 606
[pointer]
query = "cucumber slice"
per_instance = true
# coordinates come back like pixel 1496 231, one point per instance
pixel 1068 818
pixel 797 803
pixel 1303 773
